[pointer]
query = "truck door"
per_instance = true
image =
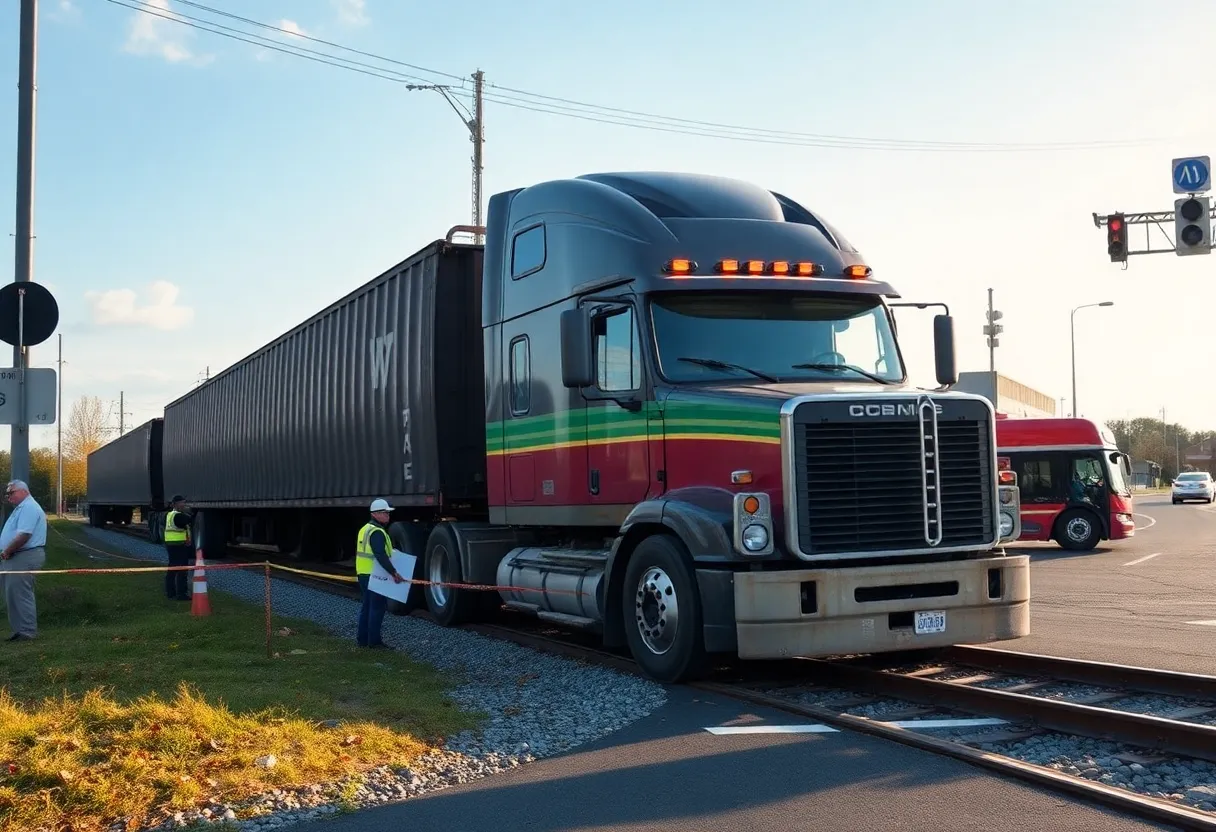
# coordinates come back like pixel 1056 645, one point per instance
pixel 618 440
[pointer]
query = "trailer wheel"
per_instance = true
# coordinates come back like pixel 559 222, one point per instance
pixel 1078 530
pixel 662 611
pixel 441 565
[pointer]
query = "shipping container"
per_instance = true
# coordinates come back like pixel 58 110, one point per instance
pixel 379 395
pixel 125 474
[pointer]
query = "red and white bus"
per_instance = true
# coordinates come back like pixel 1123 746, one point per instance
pixel 1073 479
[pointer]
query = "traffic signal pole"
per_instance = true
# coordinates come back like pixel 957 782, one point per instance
pixel 1192 216
pixel 1151 220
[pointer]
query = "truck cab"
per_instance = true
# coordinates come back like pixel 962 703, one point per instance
pixel 700 437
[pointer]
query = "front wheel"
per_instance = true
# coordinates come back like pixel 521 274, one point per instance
pixel 1078 530
pixel 440 566
pixel 662 611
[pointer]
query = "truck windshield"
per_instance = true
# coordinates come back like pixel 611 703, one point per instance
pixel 705 336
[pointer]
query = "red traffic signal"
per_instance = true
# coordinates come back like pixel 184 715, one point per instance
pixel 1116 238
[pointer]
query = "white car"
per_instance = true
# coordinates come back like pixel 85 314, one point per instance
pixel 1193 485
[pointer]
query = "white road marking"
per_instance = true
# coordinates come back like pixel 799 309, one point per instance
pixel 1143 559
pixel 814 728
pixel 772 729
pixel 1146 517
pixel 945 723
pixel 1211 623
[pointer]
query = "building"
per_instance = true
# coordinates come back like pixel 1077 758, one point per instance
pixel 1145 474
pixel 1200 456
pixel 1007 395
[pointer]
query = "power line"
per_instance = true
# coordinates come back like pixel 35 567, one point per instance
pixel 569 108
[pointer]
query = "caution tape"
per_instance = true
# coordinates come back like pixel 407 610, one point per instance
pixel 274 566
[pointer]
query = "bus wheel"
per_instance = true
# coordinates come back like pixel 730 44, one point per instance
pixel 662 611
pixel 1078 530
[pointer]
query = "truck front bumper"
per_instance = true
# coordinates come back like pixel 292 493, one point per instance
pixel 820 612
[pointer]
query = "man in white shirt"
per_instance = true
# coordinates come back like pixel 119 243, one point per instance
pixel 22 549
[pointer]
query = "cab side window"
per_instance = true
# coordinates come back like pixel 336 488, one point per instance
pixel 528 252
pixel 521 376
pixel 618 360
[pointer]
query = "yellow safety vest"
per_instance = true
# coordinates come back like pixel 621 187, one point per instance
pixel 172 533
pixel 364 559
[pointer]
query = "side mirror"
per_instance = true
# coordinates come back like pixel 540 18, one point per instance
pixel 577 366
pixel 943 350
pixel 1114 457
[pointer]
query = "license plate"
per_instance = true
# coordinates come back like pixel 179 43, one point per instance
pixel 930 622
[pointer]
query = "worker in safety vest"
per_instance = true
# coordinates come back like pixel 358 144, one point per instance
pixel 373 547
pixel 179 546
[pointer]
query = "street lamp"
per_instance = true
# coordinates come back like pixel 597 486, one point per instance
pixel 1072 328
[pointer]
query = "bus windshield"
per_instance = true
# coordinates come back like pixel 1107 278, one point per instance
pixel 778 336
pixel 1118 482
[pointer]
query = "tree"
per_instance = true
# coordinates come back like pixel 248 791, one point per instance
pixel 85 430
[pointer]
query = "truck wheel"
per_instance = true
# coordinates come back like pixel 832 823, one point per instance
pixel 662 611
pixel 441 565
pixel 1078 530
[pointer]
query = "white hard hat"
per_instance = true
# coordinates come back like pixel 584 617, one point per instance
pixel 380 505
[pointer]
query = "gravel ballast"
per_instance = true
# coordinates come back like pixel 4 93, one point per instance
pixel 1183 781
pixel 562 705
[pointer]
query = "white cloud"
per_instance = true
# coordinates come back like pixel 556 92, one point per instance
pixel 64 11
pixel 152 34
pixel 292 28
pixel 351 12
pixel 121 307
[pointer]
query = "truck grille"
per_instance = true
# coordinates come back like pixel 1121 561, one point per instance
pixel 864 482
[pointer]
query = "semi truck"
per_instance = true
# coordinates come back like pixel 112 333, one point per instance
pixel 668 408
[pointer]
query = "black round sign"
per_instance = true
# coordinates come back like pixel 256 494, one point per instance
pixel 41 313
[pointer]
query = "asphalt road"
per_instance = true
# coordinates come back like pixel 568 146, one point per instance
pixel 1131 601
pixel 667 773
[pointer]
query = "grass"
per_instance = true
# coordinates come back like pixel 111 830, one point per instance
pixel 126 706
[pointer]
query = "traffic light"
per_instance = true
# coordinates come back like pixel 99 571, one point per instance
pixel 1116 238
pixel 1192 225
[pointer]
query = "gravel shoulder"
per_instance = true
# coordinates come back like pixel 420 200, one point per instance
pixel 539 705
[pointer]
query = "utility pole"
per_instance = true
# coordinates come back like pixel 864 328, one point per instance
pixel 122 408
pixel 59 433
pixel 477 128
pixel 1164 445
pixel 475 123
pixel 23 259
pixel 992 329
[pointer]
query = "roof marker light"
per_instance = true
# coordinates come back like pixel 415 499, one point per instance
pixel 857 271
pixel 809 269
pixel 728 267
pixel 779 267
pixel 680 265
pixel 755 266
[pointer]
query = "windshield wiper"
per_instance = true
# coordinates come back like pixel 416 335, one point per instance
pixel 865 373
pixel 715 364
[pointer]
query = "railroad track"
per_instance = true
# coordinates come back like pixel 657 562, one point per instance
pixel 1150 718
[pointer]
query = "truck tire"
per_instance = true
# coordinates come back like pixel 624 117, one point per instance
pixel 1078 530
pixel 660 596
pixel 450 607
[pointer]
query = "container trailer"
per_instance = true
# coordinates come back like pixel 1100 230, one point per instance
pixel 124 476
pixel 665 407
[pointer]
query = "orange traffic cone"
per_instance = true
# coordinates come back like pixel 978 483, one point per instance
pixel 200 605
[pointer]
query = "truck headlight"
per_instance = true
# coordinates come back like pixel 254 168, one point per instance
pixel 1009 513
pixel 753 523
pixel 755 538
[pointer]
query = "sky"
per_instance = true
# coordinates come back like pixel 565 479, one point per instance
pixel 198 195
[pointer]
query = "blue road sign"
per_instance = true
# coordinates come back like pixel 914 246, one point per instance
pixel 1192 174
